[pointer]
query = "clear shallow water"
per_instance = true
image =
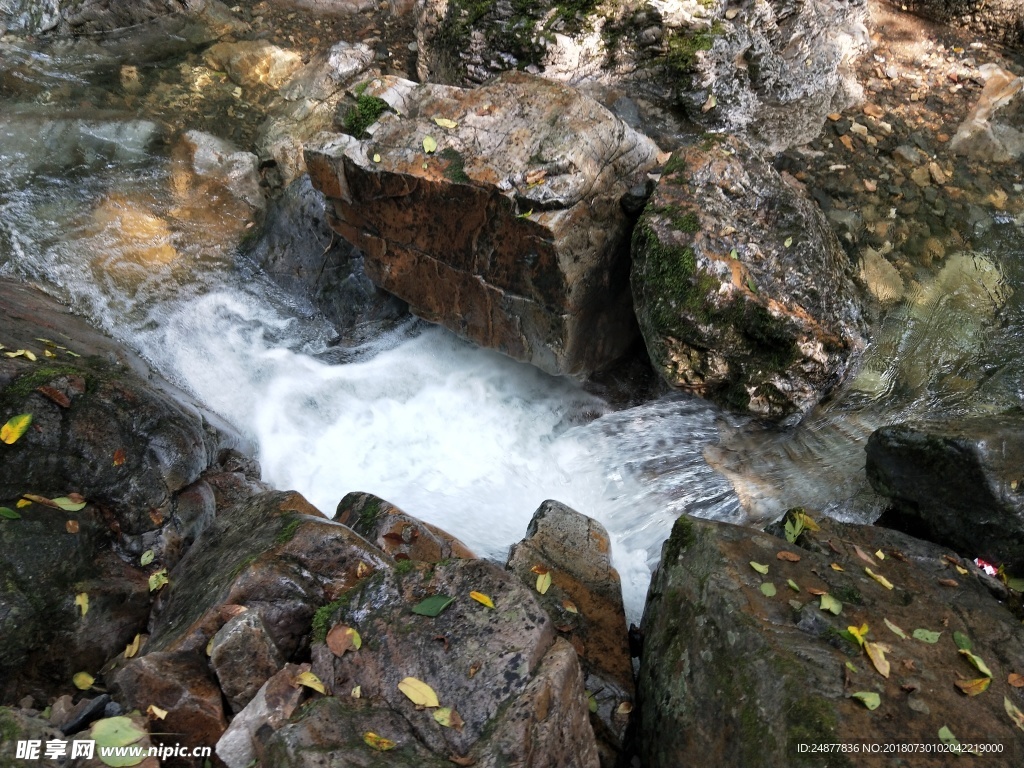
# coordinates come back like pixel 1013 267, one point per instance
pixel 93 209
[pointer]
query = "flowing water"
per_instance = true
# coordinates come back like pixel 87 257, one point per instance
pixel 94 209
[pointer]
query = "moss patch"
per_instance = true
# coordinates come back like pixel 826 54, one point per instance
pixel 456 168
pixel 682 49
pixel 681 538
pixel 287 532
pixel 364 113
pixel 25 384
pixel 369 513
pixel 322 619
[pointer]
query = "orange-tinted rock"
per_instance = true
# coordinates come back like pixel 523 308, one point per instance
pixel 397 533
pixel 511 232
pixel 585 603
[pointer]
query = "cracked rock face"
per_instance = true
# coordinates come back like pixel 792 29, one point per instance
pixel 770 71
pixel 510 232
pixel 742 291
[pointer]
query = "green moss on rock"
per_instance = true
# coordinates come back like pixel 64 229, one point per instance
pixel 364 113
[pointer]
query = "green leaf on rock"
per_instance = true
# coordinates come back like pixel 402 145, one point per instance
pixel 1015 714
pixel 1017 585
pixel 759 567
pixel 868 699
pixel 68 504
pixel 927 636
pixel 946 736
pixel 895 630
pixel 963 642
pixel 158 580
pixel 792 585
pixel 116 732
pixel 830 604
pixel 9 513
pixel 979 665
pixel 768 589
pixel 147 557
pixel 788 242
pixel 433 605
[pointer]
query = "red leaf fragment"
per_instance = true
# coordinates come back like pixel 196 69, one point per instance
pixel 55 395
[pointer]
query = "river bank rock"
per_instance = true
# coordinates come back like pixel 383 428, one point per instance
pixel 515 687
pixel 142 457
pixel 397 533
pixel 742 291
pixel 957 483
pixel 737 673
pixel 584 601
pixel 771 71
pixel 503 222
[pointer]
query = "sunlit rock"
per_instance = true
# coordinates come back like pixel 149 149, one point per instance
pixel 981 136
pixel 504 222
pixel 308 104
pixel 133 235
pixel 254 62
pixel 742 290
pixel 770 71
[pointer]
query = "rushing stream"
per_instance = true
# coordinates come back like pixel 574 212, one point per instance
pixel 93 210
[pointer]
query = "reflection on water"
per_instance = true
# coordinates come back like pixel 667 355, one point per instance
pixel 96 208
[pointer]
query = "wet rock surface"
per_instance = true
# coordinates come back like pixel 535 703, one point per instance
pixel 136 450
pixel 957 483
pixel 322 272
pixel 397 533
pixel 584 601
pixel 517 690
pixel 734 674
pixel 730 268
pixel 529 174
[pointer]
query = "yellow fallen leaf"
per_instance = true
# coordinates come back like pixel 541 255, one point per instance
pixel 376 158
pixel 879 578
pixel 158 580
pixel 378 742
pixel 133 647
pixel 22 503
pixel 876 652
pixel 481 598
pixel 879 554
pixel 209 646
pixel 82 601
pixel 624 708
pixel 974 687
pixel 429 145
pixel 83 681
pixel 444 122
pixel 858 632
pixel 449 718
pixel 836 567
pixel 155 712
pixel 962 571
pixel 15 428
pixel 310 680
pixel 544 582
pixel 418 692
pixel 357 692
pixel 570 606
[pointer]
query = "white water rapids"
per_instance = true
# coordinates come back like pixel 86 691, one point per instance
pixel 458 436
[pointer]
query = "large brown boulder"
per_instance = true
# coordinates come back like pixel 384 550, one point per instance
pixel 511 232
pixel 742 290
pixel 742 668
